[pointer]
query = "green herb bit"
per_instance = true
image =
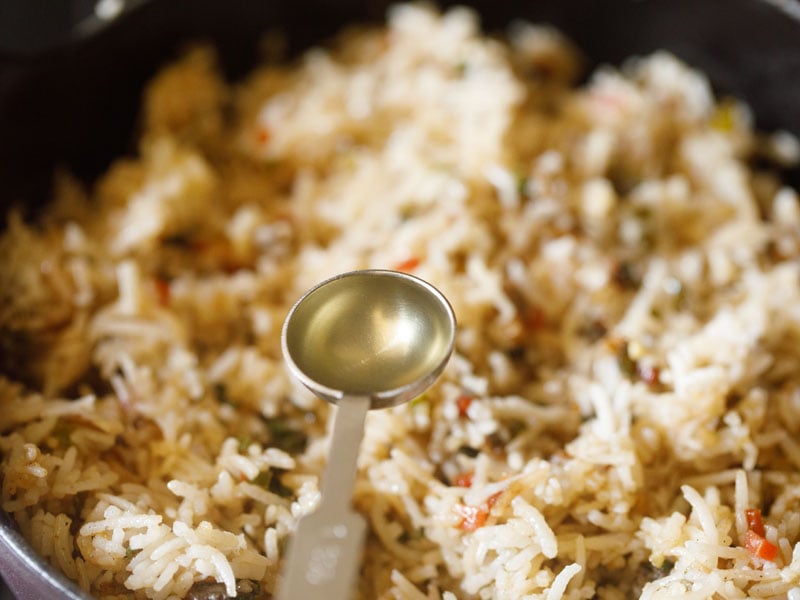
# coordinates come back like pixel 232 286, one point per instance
pixel 593 331
pixel 626 277
pixel 221 393
pixel 405 213
pixel 178 240
pixel 411 536
pixel 626 364
pixel 421 399
pixel 515 427
pixel 284 436
pixel 263 479
pixel 271 481
pixel 277 487
pixel 724 116
pixel 244 443
pixel 78 500
pixel 469 451
pixel 522 184
pixel 62 432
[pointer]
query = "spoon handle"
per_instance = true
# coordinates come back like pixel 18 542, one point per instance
pixel 324 554
pixel 348 429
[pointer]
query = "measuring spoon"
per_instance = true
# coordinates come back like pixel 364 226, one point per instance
pixel 360 340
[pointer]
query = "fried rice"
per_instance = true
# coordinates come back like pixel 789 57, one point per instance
pixel 621 413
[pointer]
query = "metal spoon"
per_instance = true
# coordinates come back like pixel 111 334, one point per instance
pixel 361 340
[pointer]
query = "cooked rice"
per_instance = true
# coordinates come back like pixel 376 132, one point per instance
pixel 626 380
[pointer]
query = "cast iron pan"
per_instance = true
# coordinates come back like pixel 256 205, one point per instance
pixel 70 86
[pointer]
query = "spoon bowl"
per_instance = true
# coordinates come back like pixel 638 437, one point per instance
pixel 377 333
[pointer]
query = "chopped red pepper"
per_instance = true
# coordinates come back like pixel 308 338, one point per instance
pixel 464 479
pixel 759 547
pixel 162 290
pixel 754 521
pixel 463 403
pixel 535 318
pixel 472 517
pixel 407 265
pixel 754 539
pixel 263 134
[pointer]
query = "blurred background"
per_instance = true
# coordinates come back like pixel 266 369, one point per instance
pixel 71 71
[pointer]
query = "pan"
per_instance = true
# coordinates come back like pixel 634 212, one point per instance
pixel 71 80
